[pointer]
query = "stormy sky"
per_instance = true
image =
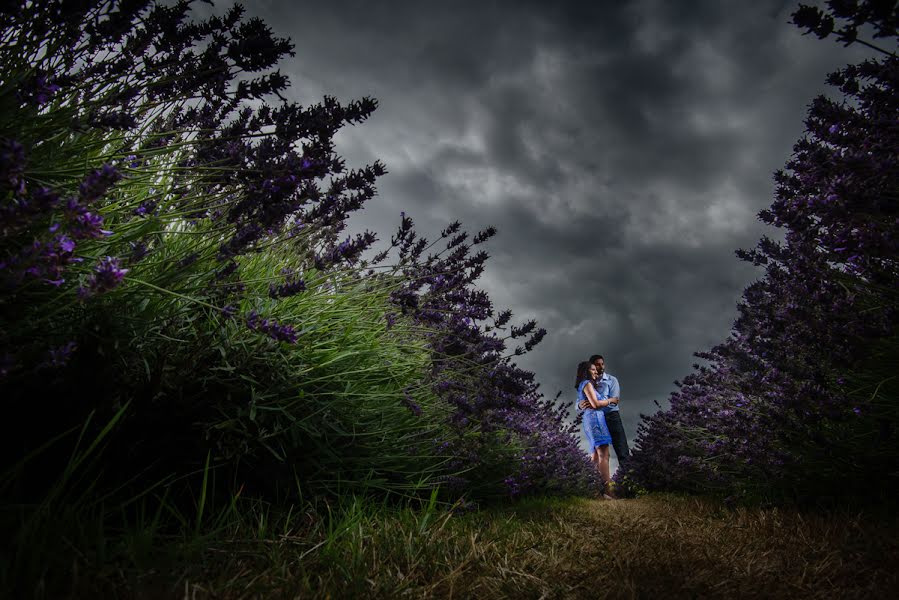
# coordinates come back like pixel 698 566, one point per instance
pixel 622 149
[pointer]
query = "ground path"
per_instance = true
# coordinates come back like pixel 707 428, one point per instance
pixel 653 547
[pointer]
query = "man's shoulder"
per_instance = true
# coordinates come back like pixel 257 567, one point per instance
pixel 612 377
pixel 614 386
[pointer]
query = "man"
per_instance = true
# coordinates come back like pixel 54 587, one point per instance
pixel 607 388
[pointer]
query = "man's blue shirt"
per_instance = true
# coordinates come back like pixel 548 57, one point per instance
pixel 607 387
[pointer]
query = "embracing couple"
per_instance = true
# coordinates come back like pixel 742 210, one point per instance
pixel 598 396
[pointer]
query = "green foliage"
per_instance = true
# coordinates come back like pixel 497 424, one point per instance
pixel 181 340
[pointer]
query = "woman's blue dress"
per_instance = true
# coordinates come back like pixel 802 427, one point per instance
pixel 593 422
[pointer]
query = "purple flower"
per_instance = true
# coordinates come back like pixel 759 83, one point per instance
pixel 98 183
pixel 12 166
pixel 270 327
pixel 56 256
pixel 188 260
pixel 88 225
pixel 59 357
pixel 410 403
pixel 348 251
pixel 65 244
pixel 148 207
pixel 39 90
pixel 107 276
pixel 118 119
pixel 139 251
pixel 290 287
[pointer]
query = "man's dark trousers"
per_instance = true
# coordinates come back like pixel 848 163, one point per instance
pixel 619 438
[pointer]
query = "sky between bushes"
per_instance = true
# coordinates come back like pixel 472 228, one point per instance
pixel 622 149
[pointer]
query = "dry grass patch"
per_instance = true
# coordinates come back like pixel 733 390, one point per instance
pixel 665 545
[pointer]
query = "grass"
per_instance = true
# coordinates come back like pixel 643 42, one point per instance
pixel 655 546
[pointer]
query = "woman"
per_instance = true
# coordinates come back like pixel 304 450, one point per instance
pixel 593 422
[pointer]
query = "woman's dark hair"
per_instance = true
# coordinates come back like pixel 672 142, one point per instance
pixel 583 372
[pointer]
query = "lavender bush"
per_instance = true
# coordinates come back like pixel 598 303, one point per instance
pixel 167 235
pixel 506 438
pixel 800 401
pixel 175 259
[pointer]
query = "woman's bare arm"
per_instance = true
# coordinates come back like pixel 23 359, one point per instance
pixel 592 399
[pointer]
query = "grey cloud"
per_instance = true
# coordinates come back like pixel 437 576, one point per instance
pixel 622 149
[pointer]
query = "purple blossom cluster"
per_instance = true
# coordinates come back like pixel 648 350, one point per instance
pixel 41 229
pixel 293 285
pixel 39 90
pixel 107 276
pixel 59 357
pixel 796 402
pixel 270 327
pixel 346 252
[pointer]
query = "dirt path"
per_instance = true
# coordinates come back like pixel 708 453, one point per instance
pixel 675 547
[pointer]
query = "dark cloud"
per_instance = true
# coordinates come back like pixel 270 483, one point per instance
pixel 621 148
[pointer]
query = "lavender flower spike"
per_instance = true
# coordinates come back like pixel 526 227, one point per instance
pixel 273 329
pixel 107 276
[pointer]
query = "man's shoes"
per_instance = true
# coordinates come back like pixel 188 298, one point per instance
pixel 608 491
